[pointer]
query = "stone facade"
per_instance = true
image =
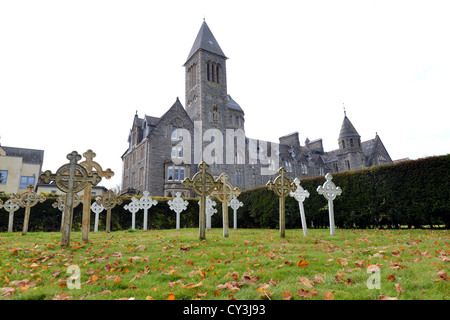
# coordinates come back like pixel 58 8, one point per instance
pixel 157 158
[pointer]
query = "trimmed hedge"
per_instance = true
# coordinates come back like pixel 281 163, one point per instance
pixel 411 193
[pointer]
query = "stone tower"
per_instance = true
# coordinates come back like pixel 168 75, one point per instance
pixel 206 92
pixel 351 156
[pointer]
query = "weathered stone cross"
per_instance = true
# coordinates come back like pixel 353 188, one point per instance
pixel 210 210
pixel 282 186
pixel 203 185
pixel 235 204
pixel 60 202
pixel 225 192
pixel 91 167
pixel 178 204
pixel 133 207
pixel 27 200
pixel 300 195
pixel 109 201
pixel 11 206
pixel 330 191
pixel 70 178
pixel 96 208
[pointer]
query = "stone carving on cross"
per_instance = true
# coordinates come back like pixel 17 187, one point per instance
pixel 146 202
pixel 330 191
pixel 134 206
pixel 96 208
pixel 210 210
pixel 11 206
pixel 300 195
pixel 203 185
pixel 27 200
pixel 224 191
pixel 282 186
pixel 70 178
pixel 109 200
pixel 235 204
pixel 178 204
pixel 60 203
pixel 91 167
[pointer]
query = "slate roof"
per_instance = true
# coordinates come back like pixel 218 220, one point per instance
pixel 347 129
pixel 205 40
pixel 30 156
pixel 233 105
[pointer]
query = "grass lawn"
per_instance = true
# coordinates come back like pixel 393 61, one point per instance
pixel 250 264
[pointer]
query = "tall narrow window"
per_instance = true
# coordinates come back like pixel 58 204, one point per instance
pixel 343 144
pixel 208 77
pixel 351 143
pixel 217 73
pixel 169 173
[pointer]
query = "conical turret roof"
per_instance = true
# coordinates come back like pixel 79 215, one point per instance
pixel 347 129
pixel 205 40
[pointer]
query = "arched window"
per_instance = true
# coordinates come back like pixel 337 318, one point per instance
pixel 212 71
pixel 343 144
pixel 351 143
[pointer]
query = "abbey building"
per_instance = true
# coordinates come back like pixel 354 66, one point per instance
pixel 164 150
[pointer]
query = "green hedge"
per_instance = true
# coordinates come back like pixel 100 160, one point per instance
pixel 411 193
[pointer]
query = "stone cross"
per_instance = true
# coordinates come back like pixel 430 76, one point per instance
pixel 235 204
pixel 70 178
pixel 134 206
pixel 96 208
pixel 330 191
pixel 27 200
pixel 210 210
pixel 60 202
pixel 225 192
pixel 282 186
pixel 91 167
pixel 109 201
pixel 146 202
pixel 11 206
pixel 178 204
pixel 300 195
pixel 203 185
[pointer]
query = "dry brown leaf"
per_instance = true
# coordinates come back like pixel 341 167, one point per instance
pixel 399 288
pixel 328 295
pixel 383 297
pixel 302 263
pixel 287 295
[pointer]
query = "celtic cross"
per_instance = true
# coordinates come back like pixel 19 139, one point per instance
pixel 11 206
pixel 96 208
pixel 330 191
pixel 235 204
pixel 91 167
pixel 209 211
pixel 224 192
pixel 282 186
pixel 70 178
pixel 203 185
pixel 300 195
pixel 27 200
pixel 146 202
pixel 178 204
pixel 134 206
pixel 60 202
pixel 109 200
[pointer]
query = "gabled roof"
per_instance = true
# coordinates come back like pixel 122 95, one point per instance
pixel 205 40
pixel 347 129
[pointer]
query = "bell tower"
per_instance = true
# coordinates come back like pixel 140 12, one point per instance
pixel 206 82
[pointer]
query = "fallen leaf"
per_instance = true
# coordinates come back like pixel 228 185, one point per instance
pixel 327 295
pixel 383 297
pixel 342 261
pixel 62 296
pixel 191 285
pixel 287 295
pixel 149 298
pixel 305 282
pixel 105 292
pixel 8 292
pixel 117 279
pixel 302 263
pixel 391 277
pixel 399 288
pixel 171 297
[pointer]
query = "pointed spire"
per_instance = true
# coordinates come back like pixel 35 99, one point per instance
pixel 347 129
pixel 205 40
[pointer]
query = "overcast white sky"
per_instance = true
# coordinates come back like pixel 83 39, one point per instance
pixel 73 73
